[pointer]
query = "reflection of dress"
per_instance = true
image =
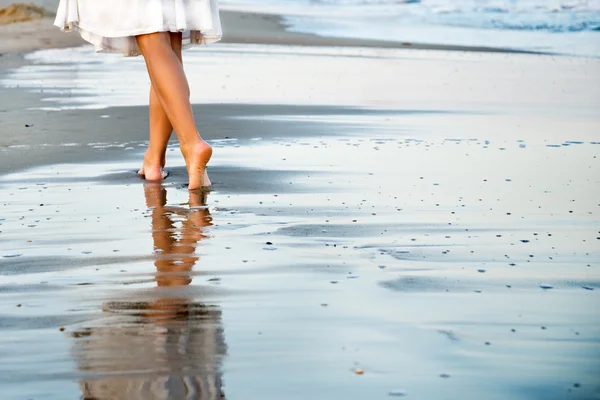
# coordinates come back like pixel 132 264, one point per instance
pixel 164 347
pixel 149 360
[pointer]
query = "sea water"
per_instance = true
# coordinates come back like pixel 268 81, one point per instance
pixel 553 26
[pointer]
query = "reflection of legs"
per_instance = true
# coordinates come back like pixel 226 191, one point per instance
pixel 163 344
pixel 160 127
pixel 170 261
pixel 172 91
pixel 162 226
pixel 192 230
pixel 175 262
pixel 198 218
pixel 177 257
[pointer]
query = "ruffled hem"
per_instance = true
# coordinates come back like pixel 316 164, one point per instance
pixel 199 24
pixel 127 45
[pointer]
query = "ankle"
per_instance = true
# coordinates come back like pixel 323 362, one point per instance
pixel 153 157
pixel 190 143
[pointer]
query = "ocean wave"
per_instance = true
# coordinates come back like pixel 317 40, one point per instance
pixel 365 2
pixel 535 15
pixel 497 18
pixel 560 26
pixel 556 28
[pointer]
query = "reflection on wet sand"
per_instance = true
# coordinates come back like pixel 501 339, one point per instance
pixel 166 345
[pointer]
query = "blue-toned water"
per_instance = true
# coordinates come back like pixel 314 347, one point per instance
pixel 557 26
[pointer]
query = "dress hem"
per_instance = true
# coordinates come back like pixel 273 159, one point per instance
pixel 196 37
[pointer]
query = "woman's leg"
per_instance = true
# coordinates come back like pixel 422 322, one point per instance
pixel 160 128
pixel 172 90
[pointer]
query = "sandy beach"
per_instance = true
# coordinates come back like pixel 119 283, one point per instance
pixel 386 221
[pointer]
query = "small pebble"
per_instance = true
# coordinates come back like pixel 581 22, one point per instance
pixel 546 286
pixel 62 329
pixel 445 376
pixel 359 371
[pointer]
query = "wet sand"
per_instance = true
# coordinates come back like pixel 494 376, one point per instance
pixel 391 223
pixel 301 270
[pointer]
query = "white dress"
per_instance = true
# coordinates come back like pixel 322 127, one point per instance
pixel 111 25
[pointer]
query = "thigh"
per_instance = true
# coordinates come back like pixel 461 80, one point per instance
pixel 176 39
pixel 151 42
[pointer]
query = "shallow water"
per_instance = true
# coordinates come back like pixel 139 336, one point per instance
pixel 440 240
pixel 400 267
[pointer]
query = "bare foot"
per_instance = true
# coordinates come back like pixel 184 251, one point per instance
pixel 207 181
pixel 163 174
pixel 152 171
pixel 198 157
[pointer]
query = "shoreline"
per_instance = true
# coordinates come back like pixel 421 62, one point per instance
pixel 239 28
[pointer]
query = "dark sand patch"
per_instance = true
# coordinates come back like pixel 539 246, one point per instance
pixel 36 264
pixel 33 137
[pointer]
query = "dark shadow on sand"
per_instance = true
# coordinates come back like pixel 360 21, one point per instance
pixel 25 125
